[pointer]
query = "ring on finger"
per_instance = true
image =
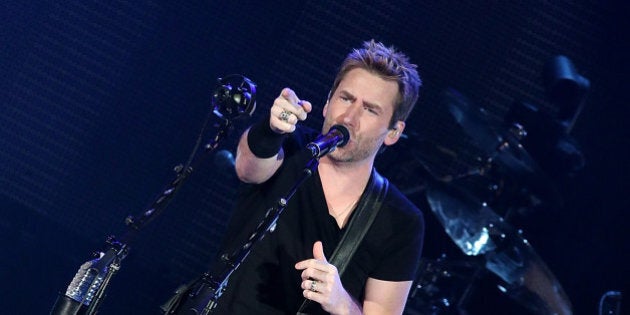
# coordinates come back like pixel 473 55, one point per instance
pixel 313 286
pixel 284 116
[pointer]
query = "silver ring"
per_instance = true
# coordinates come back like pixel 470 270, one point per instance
pixel 284 116
pixel 313 286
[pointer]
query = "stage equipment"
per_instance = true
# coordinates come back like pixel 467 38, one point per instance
pixel 514 171
pixel 442 286
pixel 610 303
pixel 478 231
pixel 233 97
pixel 548 131
pixel 566 89
pixel 516 178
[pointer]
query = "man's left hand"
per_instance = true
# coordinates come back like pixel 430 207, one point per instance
pixel 321 283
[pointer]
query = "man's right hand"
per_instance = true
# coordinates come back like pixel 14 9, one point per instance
pixel 253 169
pixel 287 110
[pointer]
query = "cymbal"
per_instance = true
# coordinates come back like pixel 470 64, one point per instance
pixel 438 160
pixel 464 218
pixel 528 280
pixel 474 120
pixel 487 136
pixel 502 148
pixel 479 231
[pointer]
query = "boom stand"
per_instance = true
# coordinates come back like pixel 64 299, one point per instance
pixel 87 289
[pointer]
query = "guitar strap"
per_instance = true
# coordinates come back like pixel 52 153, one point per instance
pixel 368 207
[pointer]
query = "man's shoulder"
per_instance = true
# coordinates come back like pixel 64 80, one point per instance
pixel 398 200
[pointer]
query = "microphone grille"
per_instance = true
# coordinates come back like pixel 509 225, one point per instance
pixel 345 134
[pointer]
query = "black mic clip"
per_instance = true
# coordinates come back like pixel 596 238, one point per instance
pixel 234 96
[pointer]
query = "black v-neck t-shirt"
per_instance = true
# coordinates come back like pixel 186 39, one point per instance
pixel 267 281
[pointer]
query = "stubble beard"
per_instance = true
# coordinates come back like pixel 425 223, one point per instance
pixel 355 151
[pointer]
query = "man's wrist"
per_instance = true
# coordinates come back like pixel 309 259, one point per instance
pixel 350 306
pixel 264 142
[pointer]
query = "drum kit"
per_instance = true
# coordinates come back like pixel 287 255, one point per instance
pixel 480 222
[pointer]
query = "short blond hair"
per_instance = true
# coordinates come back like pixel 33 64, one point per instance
pixel 389 64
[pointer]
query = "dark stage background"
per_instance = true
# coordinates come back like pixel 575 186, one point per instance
pixel 101 99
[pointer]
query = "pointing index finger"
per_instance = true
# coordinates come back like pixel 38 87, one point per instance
pixel 290 96
pixel 300 108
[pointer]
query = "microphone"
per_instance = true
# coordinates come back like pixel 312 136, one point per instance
pixel 337 136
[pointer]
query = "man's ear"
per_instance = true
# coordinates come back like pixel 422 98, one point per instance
pixel 325 109
pixel 394 134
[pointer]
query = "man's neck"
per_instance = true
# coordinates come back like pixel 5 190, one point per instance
pixel 346 173
pixel 343 185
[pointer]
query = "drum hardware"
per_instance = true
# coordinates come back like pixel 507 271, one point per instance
pixel 443 285
pixel 610 303
pixel 490 245
pixel 508 178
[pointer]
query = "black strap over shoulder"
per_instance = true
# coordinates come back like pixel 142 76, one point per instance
pixel 368 207
pixel 360 222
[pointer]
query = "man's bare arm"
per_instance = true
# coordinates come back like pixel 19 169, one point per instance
pixel 385 297
pixel 252 169
pixel 256 162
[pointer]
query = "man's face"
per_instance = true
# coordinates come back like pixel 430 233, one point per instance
pixel 364 103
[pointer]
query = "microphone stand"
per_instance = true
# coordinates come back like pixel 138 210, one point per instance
pixel 201 295
pixel 87 289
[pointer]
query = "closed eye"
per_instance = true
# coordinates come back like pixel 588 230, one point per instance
pixel 345 99
pixel 375 110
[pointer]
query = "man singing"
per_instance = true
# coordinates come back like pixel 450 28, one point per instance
pixel 372 95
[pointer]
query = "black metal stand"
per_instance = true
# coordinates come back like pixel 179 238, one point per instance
pixel 183 172
pixel 87 290
pixel 233 97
